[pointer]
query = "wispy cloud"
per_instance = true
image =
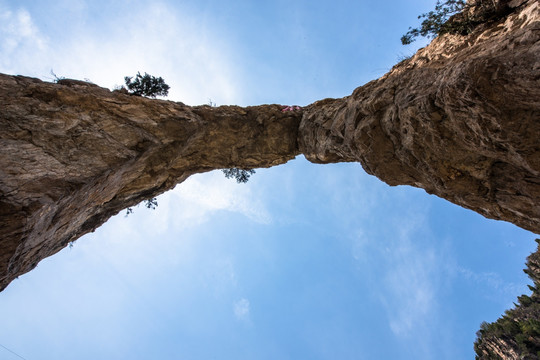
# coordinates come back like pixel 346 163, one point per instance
pixel 20 38
pixel 410 285
pixel 394 251
pixel 241 309
pixel 405 271
pixel 208 193
pixel 500 288
pixel 194 59
pixel 141 236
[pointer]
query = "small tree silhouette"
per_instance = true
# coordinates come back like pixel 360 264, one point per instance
pixel 149 204
pixel 241 175
pixel 436 22
pixel 146 85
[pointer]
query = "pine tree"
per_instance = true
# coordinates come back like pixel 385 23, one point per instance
pixel 147 85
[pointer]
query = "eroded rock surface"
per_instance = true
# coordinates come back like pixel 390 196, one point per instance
pixel 74 154
pixel 460 119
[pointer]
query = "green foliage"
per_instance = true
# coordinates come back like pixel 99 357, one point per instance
pixel 436 22
pixel 146 85
pixel 518 328
pixel 241 175
pixel 149 204
pixel 523 334
pixel 56 78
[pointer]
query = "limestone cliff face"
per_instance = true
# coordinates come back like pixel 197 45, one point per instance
pixel 460 119
pixel 73 154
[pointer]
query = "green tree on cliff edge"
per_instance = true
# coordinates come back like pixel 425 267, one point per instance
pixel 146 85
pixel 518 328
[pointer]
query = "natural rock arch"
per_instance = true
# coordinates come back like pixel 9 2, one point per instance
pixel 459 119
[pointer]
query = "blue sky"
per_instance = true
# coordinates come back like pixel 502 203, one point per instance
pixel 304 261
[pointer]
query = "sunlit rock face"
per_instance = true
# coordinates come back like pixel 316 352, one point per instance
pixel 459 119
pixel 73 154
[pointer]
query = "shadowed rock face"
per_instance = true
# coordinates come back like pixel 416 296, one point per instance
pixel 460 119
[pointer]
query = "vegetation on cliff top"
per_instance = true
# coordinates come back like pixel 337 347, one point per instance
pixel 146 85
pixel 453 17
pixel 519 328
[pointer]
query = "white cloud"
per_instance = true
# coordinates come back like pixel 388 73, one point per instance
pixel 242 309
pixel 195 60
pixel 500 287
pixel 411 278
pixel 21 39
pixel 409 283
pixel 141 237
pixel 202 195
pixel 411 287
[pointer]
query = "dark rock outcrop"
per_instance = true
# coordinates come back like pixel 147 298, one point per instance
pixel 460 119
